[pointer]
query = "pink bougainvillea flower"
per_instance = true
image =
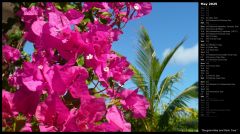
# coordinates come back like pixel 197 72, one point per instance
pixel 79 87
pixel 7 110
pixel 74 16
pixel 142 8
pixel 71 122
pixel 57 68
pixel 52 112
pixel 31 84
pixel 45 57
pixel 29 76
pixel 70 49
pixel 10 54
pixel 116 118
pixel 138 104
pixel 27 127
pixel 43 128
pixel 99 33
pixel 105 127
pixel 91 110
pixel 29 15
pixel 115 33
pixel 50 7
pixel 32 69
pixel 58 21
pixel 61 79
pixel 116 6
pixel 90 57
pixel 14 79
pixel 102 5
pixel 99 51
pixel 33 34
pixel 118 69
pixel 26 101
pixel 54 34
pixel 103 74
pixel 49 38
pixel 70 77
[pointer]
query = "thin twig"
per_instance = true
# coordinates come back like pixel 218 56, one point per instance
pixel 95 85
pixel 129 18
pixel 101 91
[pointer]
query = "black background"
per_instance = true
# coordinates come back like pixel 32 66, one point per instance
pixel 225 120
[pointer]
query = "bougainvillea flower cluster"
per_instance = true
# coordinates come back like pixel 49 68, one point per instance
pixel 10 54
pixel 75 81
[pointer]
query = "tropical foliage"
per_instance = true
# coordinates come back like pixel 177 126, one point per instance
pixel 162 115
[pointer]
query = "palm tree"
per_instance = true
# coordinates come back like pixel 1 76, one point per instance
pixel 147 78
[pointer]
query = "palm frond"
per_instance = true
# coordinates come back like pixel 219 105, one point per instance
pixel 167 84
pixel 148 63
pixel 139 80
pixel 155 76
pixel 186 110
pixel 145 53
pixel 169 56
pixel 179 102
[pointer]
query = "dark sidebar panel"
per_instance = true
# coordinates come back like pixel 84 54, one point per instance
pixel 219 66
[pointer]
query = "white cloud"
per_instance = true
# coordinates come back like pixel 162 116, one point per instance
pixel 183 55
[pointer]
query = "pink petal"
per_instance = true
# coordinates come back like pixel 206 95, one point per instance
pixel 31 84
pixel 115 117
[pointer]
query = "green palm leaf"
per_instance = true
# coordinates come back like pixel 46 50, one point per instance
pixel 166 85
pixel 170 55
pixel 178 102
pixel 138 79
pixel 145 53
pixel 149 65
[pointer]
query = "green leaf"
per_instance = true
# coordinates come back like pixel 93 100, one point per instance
pixel 25 56
pixel 32 4
pixel 19 122
pixel 149 65
pixel 89 15
pixel 80 61
pixel 88 82
pixel 58 6
pixel 139 80
pixel 95 9
pixel 92 91
pixel 85 21
pixel 170 55
pixel 111 82
pixel 16 35
pixel 167 83
pixel 106 14
pixel 103 21
pixel 43 97
pixel 68 7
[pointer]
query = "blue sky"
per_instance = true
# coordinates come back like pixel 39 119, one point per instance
pixel 167 24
